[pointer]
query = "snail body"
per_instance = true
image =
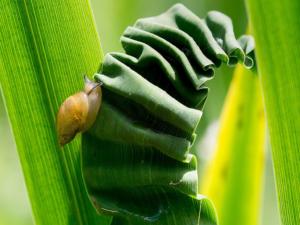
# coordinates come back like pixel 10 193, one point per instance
pixel 78 112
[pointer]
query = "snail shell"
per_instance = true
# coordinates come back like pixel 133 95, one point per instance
pixel 78 112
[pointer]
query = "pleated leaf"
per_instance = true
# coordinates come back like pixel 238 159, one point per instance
pixel 136 160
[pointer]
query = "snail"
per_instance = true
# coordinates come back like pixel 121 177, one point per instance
pixel 78 112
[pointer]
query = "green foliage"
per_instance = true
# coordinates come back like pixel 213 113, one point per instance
pixel 46 47
pixel 233 179
pixel 275 26
pixel 136 159
pixel 121 13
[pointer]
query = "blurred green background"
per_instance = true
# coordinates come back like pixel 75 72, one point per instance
pixel 112 17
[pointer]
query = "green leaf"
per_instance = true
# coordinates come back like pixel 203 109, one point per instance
pixel 275 26
pixel 136 160
pixel 46 47
pixel 233 178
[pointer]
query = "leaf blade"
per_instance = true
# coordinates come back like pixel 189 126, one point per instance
pixel 42 43
pixel 146 125
pixel 233 178
pixel 275 28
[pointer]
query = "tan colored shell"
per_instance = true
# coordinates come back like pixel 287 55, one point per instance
pixel 78 112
